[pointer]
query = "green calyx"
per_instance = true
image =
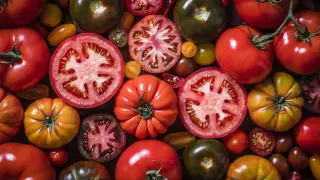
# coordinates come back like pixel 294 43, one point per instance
pixel 49 121
pixel 273 2
pixel 14 55
pixel 145 110
pixel 304 34
pixel 155 174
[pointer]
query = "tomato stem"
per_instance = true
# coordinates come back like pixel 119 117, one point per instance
pixel 273 2
pixel 155 174
pixel 14 54
pixel 145 110
pixel 49 121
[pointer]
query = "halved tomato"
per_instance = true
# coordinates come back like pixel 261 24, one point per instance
pixel 212 104
pixel 143 7
pixel 174 81
pixel 310 85
pixel 86 70
pixel 155 43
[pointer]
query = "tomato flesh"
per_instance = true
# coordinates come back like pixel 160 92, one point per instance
pixel 261 141
pixel 311 89
pixel 174 81
pixel 143 7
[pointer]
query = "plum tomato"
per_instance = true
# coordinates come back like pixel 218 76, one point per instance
pixel 281 163
pixel 101 138
pixel 143 7
pixel 184 66
pixel 211 103
pixel 126 20
pixel 58 156
pixel 132 69
pixel 119 37
pixel 62 3
pixel 298 159
pixel 314 163
pixel 86 70
pixel 51 15
pixel 310 85
pixel 293 175
pixel 284 142
pixel 205 54
pixel 61 33
pixel 189 49
pixel 174 81
pixel 261 141
pixel 179 140
pixel 155 43
pixel 236 142
pixel 36 92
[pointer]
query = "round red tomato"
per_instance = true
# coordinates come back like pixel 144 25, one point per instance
pixel 239 58
pixel 148 159
pixel 58 157
pixel 143 7
pixel 86 71
pixel 212 105
pixel 24 58
pixel 236 142
pixel 155 43
pixel 296 54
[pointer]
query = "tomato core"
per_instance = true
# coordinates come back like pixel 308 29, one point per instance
pixel 14 54
pixel 145 110
pixel 49 121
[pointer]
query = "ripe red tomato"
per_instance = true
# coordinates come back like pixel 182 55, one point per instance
pixel 239 58
pixel 58 157
pixel 148 159
pixel 30 61
pixel 297 55
pixel 236 142
pixel 86 70
pixel 143 7
pixel 211 104
pixel 155 43
pixel 19 12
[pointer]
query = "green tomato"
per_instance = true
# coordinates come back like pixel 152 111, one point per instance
pixel 205 54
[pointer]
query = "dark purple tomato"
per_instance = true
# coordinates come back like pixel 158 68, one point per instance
pixel 261 141
pixel 298 159
pixel 281 163
pixel 184 66
pixel 284 142
pixel 310 85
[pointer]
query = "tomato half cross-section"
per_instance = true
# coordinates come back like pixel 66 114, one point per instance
pixel 87 70
pixel 211 103
pixel 143 7
pixel 155 43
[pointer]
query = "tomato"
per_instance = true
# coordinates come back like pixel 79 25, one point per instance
pixel 19 12
pixel 50 123
pixel 62 3
pixel 36 92
pixel 93 170
pixel 51 15
pixel 184 66
pixel 126 20
pixel 284 142
pixel 310 85
pixel 148 159
pixel 276 103
pixel 189 49
pixel 226 2
pixel 119 37
pixel 205 54
pixel 236 142
pixel 296 55
pixel 167 7
pixel 58 157
pixel 40 28
pixel 206 159
pixel 11 116
pixel 261 141
pixel 307 134
pixel 314 163
pixel 155 43
pixel 86 70
pixel 132 69
pixel 174 81
pixel 61 33
pixel 293 175
pixel 179 140
pixel 24 161
pixel 298 159
pixel 143 7
pixel 96 16
pixel 281 163
pixel 21 69
pixel 212 105
pixel 234 49
pixel 146 106
pixel 200 21
pixel 252 167
pixel 101 138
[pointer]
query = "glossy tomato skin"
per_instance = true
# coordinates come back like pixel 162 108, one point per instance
pixel 20 12
pixel 58 156
pixel 236 142
pixel 314 163
pixel 24 161
pixel 298 56
pixel 96 16
pixel 153 91
pixel 11 115
pixel 30 63
pixel 234 49
pixel 148 155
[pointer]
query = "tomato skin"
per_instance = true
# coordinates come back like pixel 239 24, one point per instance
pixel 27 162
pixel 51 15
pixel 61 33
pixel 20 12
pixel 147 158
pixel 234 49
pixel 10 75
pixel 236 142
pixel 314 163
pixel 298 56
pixel 58 156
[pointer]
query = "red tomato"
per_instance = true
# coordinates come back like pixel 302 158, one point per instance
pixel 296 55
pixel 236 142
pixel 143 7
pixel 174 81
pixel 23 161
pixel 307 134
pixel 261 141
pixel 211 104
pixel 148 159
pixel 86 70
pixel 239 58
pixel 155 43
pixel 58 157
pixel 27 69
pixel 19 12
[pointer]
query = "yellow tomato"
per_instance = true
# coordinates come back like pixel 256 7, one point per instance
pixel 189 49
pixel 314 163
pixel 132 69
pixel 126 20
pixel 51 15
pixel 61 33
pixel 205 54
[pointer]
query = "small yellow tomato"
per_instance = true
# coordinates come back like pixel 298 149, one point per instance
pixel 132 69
pixel 314 163
pixel 61 33
pixel 51 15
pixel 205 54
pixel 126 20
pixel 189 49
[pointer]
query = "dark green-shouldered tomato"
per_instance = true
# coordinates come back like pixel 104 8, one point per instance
pixel 281 163
pixel 200 20
pixel 298 159
pixel 206 159
pixel 96 16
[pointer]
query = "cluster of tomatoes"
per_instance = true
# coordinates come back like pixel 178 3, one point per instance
pixel 152 69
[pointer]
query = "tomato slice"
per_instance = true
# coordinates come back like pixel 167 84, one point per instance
pixel 261 141
pixel 86 71
pixel 155 43
pixel 212 104
pixel 174 81
pixel 310 85
pixel 143 7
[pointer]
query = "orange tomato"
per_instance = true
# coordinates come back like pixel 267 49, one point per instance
pixel 61 33
pixel 126 21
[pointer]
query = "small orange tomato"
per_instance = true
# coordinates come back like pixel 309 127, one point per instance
pixel 126 20
pixel 51 15
pixel 189 49
pixel 61 33
pixel 314 163
pixel 132 69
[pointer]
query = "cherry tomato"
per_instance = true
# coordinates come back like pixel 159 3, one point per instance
pixel 179 140
pixel 293 175
pixel 61 33
pixel 281 163
pixel 132 69
pixel 58 157
pixel 184 66
pixel 126 20
pixel 310 85
pixel 236 142
pixel 62 3
pixel 189 49
pixel 284 142
pixel 298 159
pixel 143 7
pixel 205 54
pixel 51 15
pixel 261 141
pixel 314 163
pixel 39 91
pixel 174 81
pixel 119 37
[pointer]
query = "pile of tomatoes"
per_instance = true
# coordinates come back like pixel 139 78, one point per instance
pixel 159 89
